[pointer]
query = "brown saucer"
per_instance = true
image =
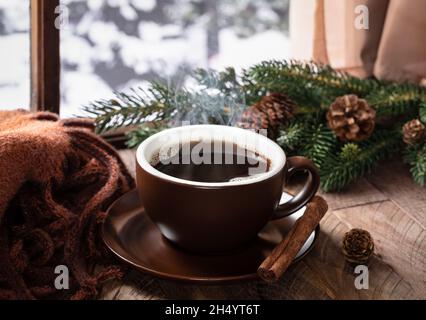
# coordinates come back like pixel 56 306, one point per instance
pixel 130 234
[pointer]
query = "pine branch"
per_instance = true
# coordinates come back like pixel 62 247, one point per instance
pixel 318 143
pixel 349 151
pixel 415 156
pixel 290 137
pixel 351 162
pixel 139 106
pixel 137 136
pixel 308 136
pixel 397 99
pixel 306 83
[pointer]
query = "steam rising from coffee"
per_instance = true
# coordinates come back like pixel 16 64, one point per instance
pixel 213 98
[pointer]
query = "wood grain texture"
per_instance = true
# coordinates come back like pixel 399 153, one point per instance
pixel 395 181
pixel 386 207
pixel 359 193
pixel 400 241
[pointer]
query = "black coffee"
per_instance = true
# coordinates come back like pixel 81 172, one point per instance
pixel 215 161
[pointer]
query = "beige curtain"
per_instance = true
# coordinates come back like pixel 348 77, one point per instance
pixel 392 48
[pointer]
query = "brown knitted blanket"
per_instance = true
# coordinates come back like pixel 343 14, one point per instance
pixel 56 180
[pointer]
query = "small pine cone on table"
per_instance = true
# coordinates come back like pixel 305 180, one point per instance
pixel 358 246
pixel 413 132
pixel 351 118
pixel 269 113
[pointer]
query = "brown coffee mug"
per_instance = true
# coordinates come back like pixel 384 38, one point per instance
pixel 220 217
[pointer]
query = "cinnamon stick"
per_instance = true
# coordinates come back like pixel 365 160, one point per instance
pixel 281 257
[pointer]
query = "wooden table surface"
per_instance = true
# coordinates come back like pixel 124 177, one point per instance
pixel 387 204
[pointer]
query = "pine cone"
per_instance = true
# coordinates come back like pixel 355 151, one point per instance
pixel 351 118
pixel 413 132
pixel 269 113
pixel 358 246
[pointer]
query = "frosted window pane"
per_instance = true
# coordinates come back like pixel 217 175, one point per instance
pixel 14 54
pixel 111 45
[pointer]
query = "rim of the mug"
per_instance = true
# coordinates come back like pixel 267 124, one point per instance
pixel 277 164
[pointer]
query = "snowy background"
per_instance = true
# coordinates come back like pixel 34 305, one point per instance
pixel 110 45
pixel 14 54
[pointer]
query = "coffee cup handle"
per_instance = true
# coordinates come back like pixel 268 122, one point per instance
pixel 295 164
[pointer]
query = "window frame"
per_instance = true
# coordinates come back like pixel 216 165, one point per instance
pixel 45 56
pixel 45 64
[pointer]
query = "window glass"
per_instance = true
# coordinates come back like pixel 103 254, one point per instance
pixel 114 45
pixel 14 54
